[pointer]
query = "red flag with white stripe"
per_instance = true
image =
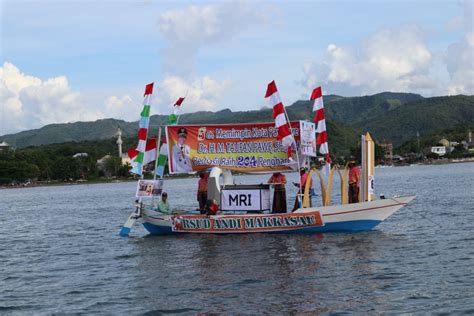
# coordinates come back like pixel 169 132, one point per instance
pixel 320 120
pixel 148 156
pixel 284 133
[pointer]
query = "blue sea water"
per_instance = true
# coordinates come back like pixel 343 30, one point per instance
pixel 60 252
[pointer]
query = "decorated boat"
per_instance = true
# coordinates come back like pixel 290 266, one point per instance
pixel 282 146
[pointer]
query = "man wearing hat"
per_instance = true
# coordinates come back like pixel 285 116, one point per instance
pixel 354 179
pixel 181 163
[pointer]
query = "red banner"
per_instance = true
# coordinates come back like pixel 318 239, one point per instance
pixel 245 223
pixel 239 147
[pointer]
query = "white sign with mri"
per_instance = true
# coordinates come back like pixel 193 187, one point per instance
pixel 245 199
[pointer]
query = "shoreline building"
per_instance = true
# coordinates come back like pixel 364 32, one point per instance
pixel 387 151
pixel 4 146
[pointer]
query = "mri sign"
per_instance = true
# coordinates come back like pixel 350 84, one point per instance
pixel 245 199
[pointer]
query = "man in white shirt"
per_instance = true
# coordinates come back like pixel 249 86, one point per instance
pixel 181 163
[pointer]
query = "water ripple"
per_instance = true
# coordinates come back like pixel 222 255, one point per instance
pixel 60 253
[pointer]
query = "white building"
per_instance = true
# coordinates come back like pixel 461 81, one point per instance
pixel 78 155
pixel 439 150
pixel 4 146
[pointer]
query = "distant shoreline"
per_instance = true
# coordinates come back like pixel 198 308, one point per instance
pixel 82 182
pixel 120 180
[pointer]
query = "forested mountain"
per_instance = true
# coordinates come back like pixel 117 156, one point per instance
pixel 394 117
pixel 426 116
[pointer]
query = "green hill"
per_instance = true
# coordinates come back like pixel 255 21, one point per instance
pixel 61 133
pixel 426 116
pixel 394 117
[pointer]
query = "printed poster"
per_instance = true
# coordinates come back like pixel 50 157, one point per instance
pixel 149 188
pixel 238 147
pixel 308 138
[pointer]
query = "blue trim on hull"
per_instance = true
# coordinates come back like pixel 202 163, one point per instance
pixel 350 226
pixel 157 230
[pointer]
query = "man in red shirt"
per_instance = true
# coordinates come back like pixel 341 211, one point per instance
pixel 354 179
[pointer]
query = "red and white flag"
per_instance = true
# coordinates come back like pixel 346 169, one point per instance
pixel 320 120
pixel 149 154
pixel 284 133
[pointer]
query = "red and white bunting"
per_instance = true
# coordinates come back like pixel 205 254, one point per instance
pixel 284 133
pixel 319 119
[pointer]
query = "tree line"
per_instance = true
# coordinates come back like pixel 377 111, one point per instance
pixel 56 162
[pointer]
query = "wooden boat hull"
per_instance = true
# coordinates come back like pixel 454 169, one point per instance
pixel 336 218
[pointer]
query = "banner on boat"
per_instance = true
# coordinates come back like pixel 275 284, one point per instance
pixel 238 147
pixel 308 138
pixel 245 198
pixel 149 188
pixel 245 223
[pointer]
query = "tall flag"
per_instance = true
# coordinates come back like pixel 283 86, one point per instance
pixel 138 161
pixel 319 119
pixel 173 118
pixel 284 133
pixel 163 155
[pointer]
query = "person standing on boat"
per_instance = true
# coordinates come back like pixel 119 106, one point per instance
pixel 303 179
pixel 163 205
pixel 279 196
pixel 354 179
pixel 202 192
pixel 180 153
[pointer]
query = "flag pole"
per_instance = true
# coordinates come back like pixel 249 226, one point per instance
pixel 297 155
pixel 145 114
pixel 177 119
pixel 157 151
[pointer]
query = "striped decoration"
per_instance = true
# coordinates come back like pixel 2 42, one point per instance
pixel 137 164
pixel 319 119
pixel 173 118
pixel 163 156
pixel 281 123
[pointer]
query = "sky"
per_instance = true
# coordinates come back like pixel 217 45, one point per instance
pixel 82 60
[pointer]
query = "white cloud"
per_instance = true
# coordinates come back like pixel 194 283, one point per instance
pixel 398 59
pixel 388 60
pixel 188 30
pixel 29 102
pixel 459 57
pixel 120 107
pixel 201 93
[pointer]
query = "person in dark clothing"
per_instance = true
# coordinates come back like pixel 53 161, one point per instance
pixel 279 195
pixel 202 192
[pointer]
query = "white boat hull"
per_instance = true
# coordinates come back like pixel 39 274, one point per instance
pixel 348 217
